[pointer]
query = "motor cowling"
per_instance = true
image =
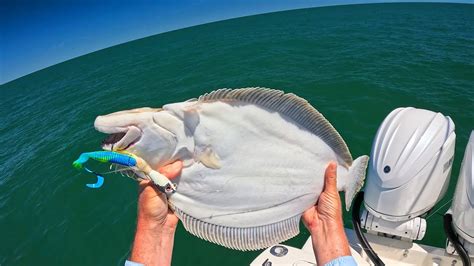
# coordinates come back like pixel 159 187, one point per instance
pixel 462 208
pixel 409 171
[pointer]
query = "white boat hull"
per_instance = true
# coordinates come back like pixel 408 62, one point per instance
pixel 390 251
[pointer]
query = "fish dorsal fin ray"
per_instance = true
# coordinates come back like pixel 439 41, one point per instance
pixel 241 238
pixel 290 105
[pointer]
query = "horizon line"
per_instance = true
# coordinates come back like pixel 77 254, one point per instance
pixel 233 18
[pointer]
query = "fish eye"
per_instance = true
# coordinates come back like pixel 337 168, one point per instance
pixel 386 169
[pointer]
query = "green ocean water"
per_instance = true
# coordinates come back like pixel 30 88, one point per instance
pixel 355 64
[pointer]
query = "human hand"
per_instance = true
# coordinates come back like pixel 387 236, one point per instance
pixel 328 208
pixel 324 221
pixel 152 203
pixel 156 224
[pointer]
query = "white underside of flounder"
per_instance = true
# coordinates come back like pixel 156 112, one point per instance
pixel 258 162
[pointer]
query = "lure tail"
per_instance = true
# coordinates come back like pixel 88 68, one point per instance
pixel 100 180
pixel 79 163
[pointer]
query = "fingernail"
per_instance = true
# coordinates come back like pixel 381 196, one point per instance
pixel 332 164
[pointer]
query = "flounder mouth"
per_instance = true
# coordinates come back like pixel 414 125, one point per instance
pixel 121 141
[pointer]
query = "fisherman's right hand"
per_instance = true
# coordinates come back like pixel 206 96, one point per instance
pixel 328 208
pixel 324 221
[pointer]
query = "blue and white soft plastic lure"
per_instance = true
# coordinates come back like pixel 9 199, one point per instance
pixel 105 157
pixel 128 160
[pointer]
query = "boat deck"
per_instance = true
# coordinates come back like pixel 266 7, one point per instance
pixel 390 251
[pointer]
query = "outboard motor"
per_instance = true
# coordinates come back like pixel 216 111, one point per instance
pixel 409 172
pixel 461 214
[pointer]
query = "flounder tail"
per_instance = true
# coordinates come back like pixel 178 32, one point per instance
pixel 355 178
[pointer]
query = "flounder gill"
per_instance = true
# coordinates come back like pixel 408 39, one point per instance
pixel 254 161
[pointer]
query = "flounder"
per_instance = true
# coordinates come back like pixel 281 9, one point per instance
pixel 254 161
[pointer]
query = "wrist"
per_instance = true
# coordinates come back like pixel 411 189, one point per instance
pixel 330 241
pixel 148 223
pixel 156 226
pixel 168 230
pixel 328 232
pixel 147 243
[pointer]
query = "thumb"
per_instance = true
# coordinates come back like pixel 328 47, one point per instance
pixel 330 177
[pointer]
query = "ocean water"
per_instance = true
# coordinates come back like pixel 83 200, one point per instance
pixel 355 64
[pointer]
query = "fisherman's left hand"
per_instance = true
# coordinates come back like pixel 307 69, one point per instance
pixel 156 224
pixel 152 203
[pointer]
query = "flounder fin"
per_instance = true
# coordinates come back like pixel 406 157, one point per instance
pixel 356 179
pixel 250 238
pixel 290 105
pixel 209 158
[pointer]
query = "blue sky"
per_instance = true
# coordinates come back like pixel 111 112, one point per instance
pixel 37 34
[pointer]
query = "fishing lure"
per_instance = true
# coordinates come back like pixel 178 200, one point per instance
pixel 104 157
pixel 128 160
